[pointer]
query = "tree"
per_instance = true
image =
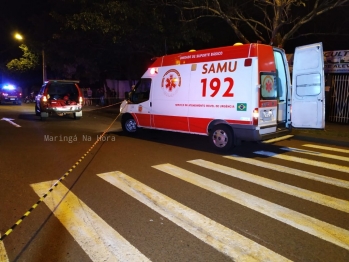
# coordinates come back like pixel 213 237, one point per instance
pixel 116 36
pixel 29 61
pixel 270 21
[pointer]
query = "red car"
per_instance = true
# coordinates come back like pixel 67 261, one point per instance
pixel 10 94
pixel 60 97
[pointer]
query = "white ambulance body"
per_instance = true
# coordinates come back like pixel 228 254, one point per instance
pixel 240 92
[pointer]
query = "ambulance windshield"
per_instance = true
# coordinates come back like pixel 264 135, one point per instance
pixel 141 91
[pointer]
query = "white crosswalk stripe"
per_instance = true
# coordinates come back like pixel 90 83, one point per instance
pixel 3 254
pixel 292 171
pixel 218 236
pixel 100 241
pixel 321 199
pixel 313 226
pixel 328 148
pixel 304 161
pixel 302 151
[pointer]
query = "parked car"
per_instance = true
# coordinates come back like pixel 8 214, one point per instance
pixel 10 94
pixel 60 97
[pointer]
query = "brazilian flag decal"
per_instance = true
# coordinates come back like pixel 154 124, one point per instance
pixel 241 107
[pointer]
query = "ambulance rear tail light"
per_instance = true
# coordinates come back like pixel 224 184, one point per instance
pixel 154 71
pixel 80 99
pixel 255 116
pixel 248 61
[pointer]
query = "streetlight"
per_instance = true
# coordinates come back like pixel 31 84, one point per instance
pixel 18 36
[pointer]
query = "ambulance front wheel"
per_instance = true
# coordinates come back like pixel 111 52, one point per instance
pixel 222 137
pixel 129 125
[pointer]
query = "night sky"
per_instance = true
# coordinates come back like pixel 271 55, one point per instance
pixel 14 17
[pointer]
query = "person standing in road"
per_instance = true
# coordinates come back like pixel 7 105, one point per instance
pixel 113 96
pixel 100 95
pixel 109 95
pixel 89 96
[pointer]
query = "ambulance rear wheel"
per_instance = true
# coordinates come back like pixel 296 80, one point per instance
pixel 129 125
pixel 221 137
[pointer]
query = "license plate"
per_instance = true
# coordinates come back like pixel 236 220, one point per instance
pixel 267 114
pixel 12 99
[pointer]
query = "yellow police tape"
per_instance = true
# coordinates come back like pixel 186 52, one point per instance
pixel 59 180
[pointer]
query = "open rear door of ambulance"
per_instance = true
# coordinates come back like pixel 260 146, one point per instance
pixel 308 87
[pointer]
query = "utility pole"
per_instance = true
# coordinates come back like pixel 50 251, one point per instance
pixel 43 67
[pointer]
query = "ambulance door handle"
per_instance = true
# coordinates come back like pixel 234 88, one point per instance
pixel 150 104
pixel 320 100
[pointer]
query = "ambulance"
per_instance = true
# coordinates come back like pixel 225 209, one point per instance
pixel 235 93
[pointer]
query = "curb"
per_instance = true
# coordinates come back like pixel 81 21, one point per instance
pixel 323 140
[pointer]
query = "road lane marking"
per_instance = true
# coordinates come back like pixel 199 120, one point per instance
pixel 304 161
pixel 331 202
pixel 328 148
pixel 310 225
pixel 99 240
pixel 212 233
pixel 292 171
pixel 313 153
pixel 9 120
pixel 3 254
pixel 277 139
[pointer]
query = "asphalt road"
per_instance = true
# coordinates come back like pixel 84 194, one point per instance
pixel 164 196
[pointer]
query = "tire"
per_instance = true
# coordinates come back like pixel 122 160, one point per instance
pixel 77 117
pixel 222 137
pixel 129 125
pixel 43 116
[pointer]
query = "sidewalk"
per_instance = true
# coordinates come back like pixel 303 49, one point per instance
pixel 334 133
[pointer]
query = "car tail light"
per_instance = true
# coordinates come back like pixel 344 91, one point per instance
pixel 255 116
pixel 80 99
pixel 44 99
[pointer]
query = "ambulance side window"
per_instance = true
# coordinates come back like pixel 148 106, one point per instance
pixel 268 86
pixel 141 91
pixel 280 76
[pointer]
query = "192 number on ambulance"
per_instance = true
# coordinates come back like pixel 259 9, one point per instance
pixel 215 85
